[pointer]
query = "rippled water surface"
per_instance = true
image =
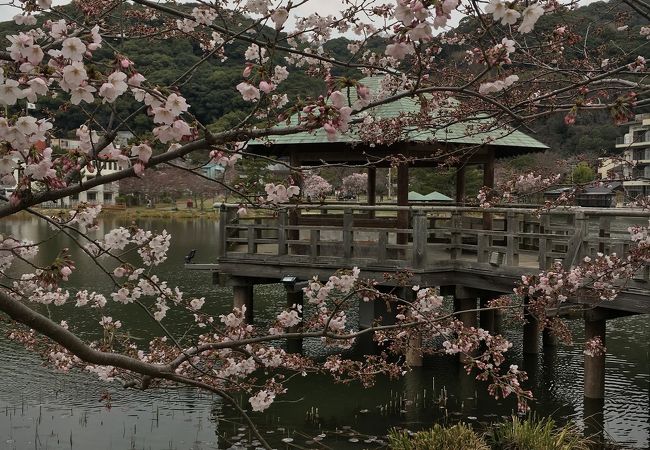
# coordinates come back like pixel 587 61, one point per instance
pixel 41 409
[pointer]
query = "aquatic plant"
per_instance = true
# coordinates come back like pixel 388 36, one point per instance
pixel 458 437
pixel 532 433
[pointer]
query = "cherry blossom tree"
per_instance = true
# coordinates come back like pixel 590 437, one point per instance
pixel 317 187
pixel 355 183
pixel 505 68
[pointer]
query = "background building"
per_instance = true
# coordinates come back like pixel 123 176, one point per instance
pixel 104 194
pixel 634 163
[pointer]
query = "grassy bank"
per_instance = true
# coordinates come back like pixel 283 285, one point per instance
pixel 162 211
pixel 517 434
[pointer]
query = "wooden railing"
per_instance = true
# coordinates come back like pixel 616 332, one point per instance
pixel 347 235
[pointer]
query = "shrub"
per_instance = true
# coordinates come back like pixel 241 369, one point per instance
pixel 458 437
pixel 535 434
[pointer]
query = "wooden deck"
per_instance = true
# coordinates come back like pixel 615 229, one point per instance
pixel 443 245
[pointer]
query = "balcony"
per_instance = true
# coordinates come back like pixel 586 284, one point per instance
pixel 638 138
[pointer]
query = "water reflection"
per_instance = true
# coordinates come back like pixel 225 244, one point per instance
pixel 46 410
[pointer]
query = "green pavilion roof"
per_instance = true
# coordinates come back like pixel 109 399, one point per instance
pixel 434 196
pixel 465 133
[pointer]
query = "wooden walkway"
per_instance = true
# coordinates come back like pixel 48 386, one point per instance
pixel 443 245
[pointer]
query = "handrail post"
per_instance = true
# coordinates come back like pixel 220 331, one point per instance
pixel 512 239
pixel 314 244
pixel 347 234
pixel 604 224
pixel 544 242
pixel 482 248
pixel 581 226
pixel 420 238
pixel 382 242
pixel 282 233
pixel 252 244
pixel 456 234
pixel 223 235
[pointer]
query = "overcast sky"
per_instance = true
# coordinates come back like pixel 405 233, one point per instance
pixel 323 7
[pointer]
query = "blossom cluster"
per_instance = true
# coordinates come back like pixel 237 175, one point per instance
pixel 502 11
pixel 316 187
pixel 594 347
pixel 514 188
pixel 279 193
pixel 355 183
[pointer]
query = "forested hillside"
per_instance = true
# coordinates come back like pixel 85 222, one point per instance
pixel 209 87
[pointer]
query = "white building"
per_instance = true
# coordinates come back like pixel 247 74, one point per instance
pixel 633 165
pixel 104 194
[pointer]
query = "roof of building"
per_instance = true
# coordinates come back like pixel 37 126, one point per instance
pixel 469 132
pixel 596 188
pixel 430 197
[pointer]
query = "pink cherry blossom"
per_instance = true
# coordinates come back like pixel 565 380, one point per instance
pixel 248 92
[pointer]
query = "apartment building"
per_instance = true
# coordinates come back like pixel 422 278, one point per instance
pixel 104 194
pixel 632 165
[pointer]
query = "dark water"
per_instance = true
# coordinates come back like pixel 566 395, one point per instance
pixel 42 409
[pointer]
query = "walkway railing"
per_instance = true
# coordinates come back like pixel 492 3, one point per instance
pixel 367 236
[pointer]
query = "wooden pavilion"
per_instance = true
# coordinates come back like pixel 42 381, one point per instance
pixel 449 247
pixel 472 142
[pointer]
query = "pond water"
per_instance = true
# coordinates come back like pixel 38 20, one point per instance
pixel 42 409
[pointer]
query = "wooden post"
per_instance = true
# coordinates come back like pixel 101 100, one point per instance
pixel 243 296
pixel 512 239
pixel 314 244
pixel 548 339
pixel 347 234
pixel 487 317
pixel 544 242
pixel 222 247
pixel 294 233
pixel 377 311
pixel 482 248
pixel 498 321
pixel 282 233
pixel 604 223
pixel 531 331
pixel 465 300
pixel 456 235
pixel 594 366
pixel 576 243
pixel 460 185
pixel 594 420
pixel 372 189
pixel 402 200
pixel 294 213
pixel 382 242
pixel 294 298
pixel 420 238
pixel 252 245
pixel 414 351
pixel 488 181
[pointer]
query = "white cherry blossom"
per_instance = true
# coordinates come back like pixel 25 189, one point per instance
pixel 83 93
pixel 73 49
pixel 74 74
pixel 279 17
pixel 263 399
pixel 10 93
pixel 176 104
pixel 530 15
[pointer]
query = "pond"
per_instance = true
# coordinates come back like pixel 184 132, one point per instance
pixel 45 409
